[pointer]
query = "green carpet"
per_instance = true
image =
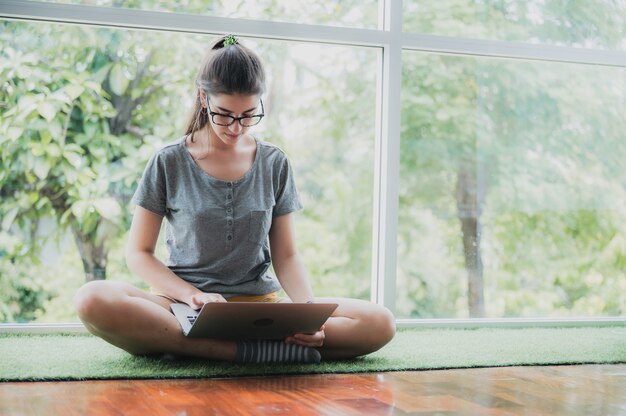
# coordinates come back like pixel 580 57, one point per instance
pixel 80 357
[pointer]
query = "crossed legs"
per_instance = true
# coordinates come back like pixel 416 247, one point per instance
pixel 141 324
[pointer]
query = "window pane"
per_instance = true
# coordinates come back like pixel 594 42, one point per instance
pixel 591 24
pixel 83 109
pixel 512 190
pixel 345 13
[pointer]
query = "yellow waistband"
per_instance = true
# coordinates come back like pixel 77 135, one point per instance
pixel 270 297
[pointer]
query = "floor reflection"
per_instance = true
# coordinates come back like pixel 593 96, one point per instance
pixel 567 390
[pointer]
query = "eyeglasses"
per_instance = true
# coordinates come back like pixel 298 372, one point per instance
pixel 226 120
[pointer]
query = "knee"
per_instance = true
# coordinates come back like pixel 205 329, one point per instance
pixel 382 326
pixel 387 324
pixel 93 302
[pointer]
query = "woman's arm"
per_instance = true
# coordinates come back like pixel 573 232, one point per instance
pixel 291 273
pixel 140 258
pixel 286 260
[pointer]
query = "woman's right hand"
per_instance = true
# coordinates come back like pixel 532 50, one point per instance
pixel 197 301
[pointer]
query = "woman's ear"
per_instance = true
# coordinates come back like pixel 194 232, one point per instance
pixel 202 95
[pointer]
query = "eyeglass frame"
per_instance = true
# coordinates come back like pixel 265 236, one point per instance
pixel 238 119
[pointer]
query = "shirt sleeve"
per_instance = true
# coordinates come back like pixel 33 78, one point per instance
pixel 287 198
pixel 151 192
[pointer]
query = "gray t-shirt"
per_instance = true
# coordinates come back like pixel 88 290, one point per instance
pixel 217 231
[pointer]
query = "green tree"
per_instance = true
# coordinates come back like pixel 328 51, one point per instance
pixel 78 119
pixel 22 295
pixel 465 120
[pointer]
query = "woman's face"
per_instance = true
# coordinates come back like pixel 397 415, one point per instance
pixel 234 105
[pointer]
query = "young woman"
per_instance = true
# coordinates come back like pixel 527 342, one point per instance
pixel 223 193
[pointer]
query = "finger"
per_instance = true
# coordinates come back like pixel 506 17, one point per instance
pixel 200 300
pixel 314 334
pixel 298 339
pixel 310 344
pixel 214 300
pixel 306 336
pixel 312 339
pixel 306 340
pixel 210 298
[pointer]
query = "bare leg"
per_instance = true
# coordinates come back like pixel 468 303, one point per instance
pixel 141 323
pixel 356 328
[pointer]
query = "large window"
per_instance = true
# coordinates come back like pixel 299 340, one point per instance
pixel 512 190
pixel 489 132
pixel 85 108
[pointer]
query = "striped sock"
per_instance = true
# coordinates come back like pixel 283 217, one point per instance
pixel 265 351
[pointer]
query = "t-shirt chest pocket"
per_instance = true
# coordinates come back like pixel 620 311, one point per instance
pixel 260 221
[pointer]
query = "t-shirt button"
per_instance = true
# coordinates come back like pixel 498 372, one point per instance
pixel 230 237
pixel 230 184
pixel 229 210
pixel 230 196
pixel 230 222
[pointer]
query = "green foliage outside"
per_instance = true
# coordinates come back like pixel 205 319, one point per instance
pixel 22 295
pixel 529 151
pixel 543 144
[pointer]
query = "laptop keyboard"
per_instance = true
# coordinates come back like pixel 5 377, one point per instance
pixel 192 319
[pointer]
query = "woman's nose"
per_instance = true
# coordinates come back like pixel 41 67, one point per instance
pixel 236 127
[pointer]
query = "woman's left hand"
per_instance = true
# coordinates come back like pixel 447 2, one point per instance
pixel 308 340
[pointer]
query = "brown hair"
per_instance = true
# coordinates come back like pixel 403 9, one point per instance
pixel 230 69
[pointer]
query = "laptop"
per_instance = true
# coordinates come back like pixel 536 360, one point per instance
pixel 251 320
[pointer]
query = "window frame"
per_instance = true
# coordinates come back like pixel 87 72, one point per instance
pixel 390 39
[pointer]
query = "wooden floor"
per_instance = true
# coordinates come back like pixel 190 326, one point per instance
pixel 559 390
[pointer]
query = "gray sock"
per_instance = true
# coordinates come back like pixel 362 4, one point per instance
pixel 265 351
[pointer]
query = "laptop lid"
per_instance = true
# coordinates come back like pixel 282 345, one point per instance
pixel 252 320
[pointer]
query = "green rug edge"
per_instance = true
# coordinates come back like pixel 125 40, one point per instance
pixel 63 357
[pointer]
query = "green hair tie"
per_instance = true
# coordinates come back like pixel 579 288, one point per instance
pixel 230 40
